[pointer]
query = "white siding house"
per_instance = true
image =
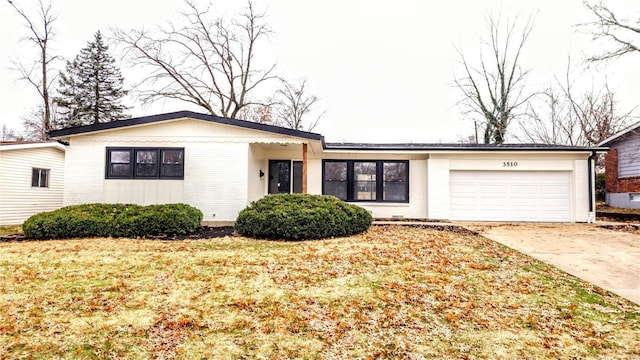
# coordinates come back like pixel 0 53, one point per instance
pixel 220 165
pixel 31 179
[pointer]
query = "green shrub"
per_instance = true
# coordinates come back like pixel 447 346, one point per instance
pixel 601 186
pixel 116 220
pixel 301 216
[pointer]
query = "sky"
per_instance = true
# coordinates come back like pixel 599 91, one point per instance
pixel 383 70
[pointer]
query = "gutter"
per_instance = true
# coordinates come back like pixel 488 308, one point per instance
pixel 591 175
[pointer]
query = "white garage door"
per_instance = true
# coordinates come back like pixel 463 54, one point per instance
pixel 511 195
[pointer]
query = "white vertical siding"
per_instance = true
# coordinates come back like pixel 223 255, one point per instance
pixel 18 200
pixel 628 156
pixel 256 163
pixel 314 176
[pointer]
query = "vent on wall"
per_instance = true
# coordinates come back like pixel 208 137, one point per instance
pixel 634 196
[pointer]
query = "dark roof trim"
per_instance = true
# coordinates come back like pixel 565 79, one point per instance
pixel 184 114
pixel 459 147
pixel 617 136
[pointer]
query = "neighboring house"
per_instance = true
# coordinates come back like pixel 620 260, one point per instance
pixel 622 168
pixel 31 179
pixel 220 165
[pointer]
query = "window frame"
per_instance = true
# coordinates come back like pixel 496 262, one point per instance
pixel 133 163
pixel 38 183
pixel 379 182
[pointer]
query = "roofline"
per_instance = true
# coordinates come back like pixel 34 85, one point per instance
pixel 39 145
pixel 619 134
pixel 460 147
pixel 56 134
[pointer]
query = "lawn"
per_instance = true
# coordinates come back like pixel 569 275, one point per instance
pixel 393 292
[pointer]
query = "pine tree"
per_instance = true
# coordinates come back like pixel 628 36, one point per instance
pixel 90 88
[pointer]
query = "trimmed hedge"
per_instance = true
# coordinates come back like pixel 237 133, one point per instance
pixel 113 220
pixel 301 216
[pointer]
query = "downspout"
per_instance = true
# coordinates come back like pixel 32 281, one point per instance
pixel 591 174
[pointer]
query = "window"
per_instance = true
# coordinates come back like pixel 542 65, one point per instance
pixel 39 177
pixel 394 181
pixel 285 176
pixel 370 180
pixel 364 180
pixel 145 163
pixel 335 179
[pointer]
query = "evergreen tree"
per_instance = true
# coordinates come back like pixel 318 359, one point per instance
pixel 90 88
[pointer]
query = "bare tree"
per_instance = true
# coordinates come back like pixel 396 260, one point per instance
pixel 209 62
pixel 294 105
pixel 598 114
pixel 494 90
pixel 41 33
pixel 8 134
pixel 257 113
pixel 567 118
pixel 623 33
pixel 550 120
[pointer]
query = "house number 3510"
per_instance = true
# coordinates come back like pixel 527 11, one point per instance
pixel 509 163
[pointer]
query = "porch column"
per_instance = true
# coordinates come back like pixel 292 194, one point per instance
pixel 304 168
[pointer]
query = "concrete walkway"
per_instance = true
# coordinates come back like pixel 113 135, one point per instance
pixel 606 258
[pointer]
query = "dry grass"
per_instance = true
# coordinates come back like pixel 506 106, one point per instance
pixel 10 230
pixel 394 292
pixel 604 208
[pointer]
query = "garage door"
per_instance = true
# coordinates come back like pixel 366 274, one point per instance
pixel 511 195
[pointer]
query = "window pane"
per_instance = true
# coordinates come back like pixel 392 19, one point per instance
pixel 44 178
pixel 120 156
pixel 120 170
pixel 394 182
pixel 172 163
pixel 146 163
pixel 120 163
pixel 172 156
pixel 39 177
pixel 297 177
pixel 335 179
pixel 364 184
pixel 35 177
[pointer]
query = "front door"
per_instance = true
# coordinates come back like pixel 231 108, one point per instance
pixel 281 174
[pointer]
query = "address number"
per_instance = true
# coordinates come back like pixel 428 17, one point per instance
pixel 509 163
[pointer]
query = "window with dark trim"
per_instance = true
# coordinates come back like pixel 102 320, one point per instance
pixel 144 163
pixel 39 177
pixel 366 180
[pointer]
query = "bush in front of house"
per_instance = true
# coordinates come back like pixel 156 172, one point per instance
pixel 113 220
pixel 301 216
pixel 601 186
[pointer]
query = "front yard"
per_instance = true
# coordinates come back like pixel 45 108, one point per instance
pixel 393 292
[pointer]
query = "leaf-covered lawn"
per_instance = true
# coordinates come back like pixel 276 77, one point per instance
pixel 393 292
pixel 604 208
pixel 10 230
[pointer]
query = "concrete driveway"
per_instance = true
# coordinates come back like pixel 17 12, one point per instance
pixel 606 258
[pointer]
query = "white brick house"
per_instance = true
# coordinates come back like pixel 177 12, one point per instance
pixel 220 165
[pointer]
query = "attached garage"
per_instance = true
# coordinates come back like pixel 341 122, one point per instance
pixel 511 195
pixel 467 182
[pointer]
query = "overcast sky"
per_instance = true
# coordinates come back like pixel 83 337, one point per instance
pixel 383 70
